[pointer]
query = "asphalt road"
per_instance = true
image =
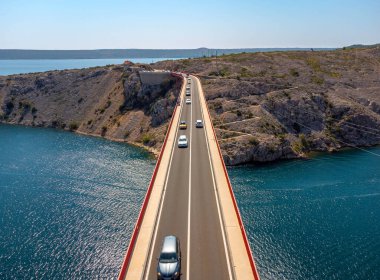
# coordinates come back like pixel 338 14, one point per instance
pixel 189 208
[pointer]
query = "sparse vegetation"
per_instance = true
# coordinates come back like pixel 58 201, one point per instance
pixel 317 80
pixel 294 72
pixel 147 139
pixel 253 141
pixel 103 131
pixel 73 126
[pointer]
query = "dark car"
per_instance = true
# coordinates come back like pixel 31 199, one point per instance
pixel 169 262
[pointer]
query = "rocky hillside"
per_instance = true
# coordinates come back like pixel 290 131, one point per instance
pixel 265 106
pixel 104 101
pixel 279 105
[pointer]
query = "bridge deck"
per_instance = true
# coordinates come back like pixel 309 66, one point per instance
pixel 191 198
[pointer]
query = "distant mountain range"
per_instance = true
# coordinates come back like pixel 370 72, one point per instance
pixel 131 53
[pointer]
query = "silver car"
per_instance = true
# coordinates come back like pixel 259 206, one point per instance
pixel 182 141
pixel 169 262
pixel 199 123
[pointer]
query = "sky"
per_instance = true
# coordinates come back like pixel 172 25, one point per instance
pixel 181 24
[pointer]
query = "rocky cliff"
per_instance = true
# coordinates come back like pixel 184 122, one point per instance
pixel 103 101
pixel 280 105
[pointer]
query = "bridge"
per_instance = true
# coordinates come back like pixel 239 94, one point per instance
pixel 190 196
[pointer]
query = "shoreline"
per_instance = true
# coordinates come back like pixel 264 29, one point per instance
pixel 155 153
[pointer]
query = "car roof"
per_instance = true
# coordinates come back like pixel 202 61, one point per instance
pixel 182 137
pixel 170 244
pixel 183 122
pixel 199 120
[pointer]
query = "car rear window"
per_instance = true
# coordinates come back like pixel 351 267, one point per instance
pixel 168 257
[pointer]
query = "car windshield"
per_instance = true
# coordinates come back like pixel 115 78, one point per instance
pixel 168 257
pixel 183 122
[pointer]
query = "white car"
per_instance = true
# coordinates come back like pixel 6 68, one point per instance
pixel 188 101
pixel 182 141
pixel 199 123
pixel 188 87
pixel 188 93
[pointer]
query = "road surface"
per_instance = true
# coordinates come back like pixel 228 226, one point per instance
pixel 189 208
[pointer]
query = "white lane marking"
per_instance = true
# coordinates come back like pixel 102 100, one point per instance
pixel 215 190
pixel 189 199
pixel 146 272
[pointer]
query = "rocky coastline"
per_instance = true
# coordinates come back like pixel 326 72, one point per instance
pixel 109 102
pixel 265 106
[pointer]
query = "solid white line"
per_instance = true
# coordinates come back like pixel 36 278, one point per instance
pixel 189 199
pixel 215 191
pixel 146 271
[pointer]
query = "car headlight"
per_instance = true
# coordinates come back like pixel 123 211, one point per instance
pixel 158 274
pixel 176 273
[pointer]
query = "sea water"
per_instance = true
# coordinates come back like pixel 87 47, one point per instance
pixel 313 219
pixel 68 205
pixel 20 66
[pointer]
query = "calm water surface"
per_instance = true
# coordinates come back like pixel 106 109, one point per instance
pixel 9 67
pixel 68 203
pixel 313 219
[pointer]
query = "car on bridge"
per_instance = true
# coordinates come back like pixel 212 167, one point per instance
pixel 188 101
pixel 188 93
pixel 199 123
pixel 182 141
pixel 169 262
pixel 182 125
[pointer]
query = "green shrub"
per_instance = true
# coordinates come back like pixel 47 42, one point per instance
pixel 304 142
pixel 294 72
pixel 104 130
pixel 314 64
pixel 73 126
pixel 317 80
pixel 147 138
pixel 245 73
pixel 253 141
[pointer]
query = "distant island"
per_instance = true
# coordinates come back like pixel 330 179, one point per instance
pixel 133 53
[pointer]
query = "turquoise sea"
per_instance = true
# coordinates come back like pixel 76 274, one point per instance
pixel 313 219
pixel 9 67
pixel 68 204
